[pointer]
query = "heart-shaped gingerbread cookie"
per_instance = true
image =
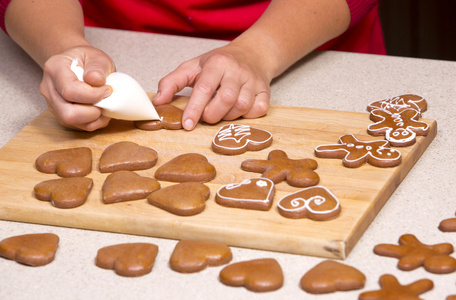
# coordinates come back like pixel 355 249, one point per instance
pixel 36 249
pixel 330 276
pixel 183 199
pixel 191 256
pixel 254 193
pixel 316 203
pixel 170 118
pixel 64 192
pixel 130 260
pixel 233 139
pixel 127 185
pixel 127 155
pixel 185 168
pixel 73 162
pixel 258 275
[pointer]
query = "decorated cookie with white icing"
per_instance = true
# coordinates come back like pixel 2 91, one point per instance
pixel 254 193
pixel 233 139
pixel 316 203
pixel 400 103
pixel 354 153
pixel 400 129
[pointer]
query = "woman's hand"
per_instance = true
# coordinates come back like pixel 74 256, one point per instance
pixel 227 82
pixel 71 100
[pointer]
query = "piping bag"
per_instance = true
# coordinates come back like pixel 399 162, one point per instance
pixel 128 100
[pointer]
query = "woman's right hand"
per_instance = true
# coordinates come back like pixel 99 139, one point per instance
pixel 71 100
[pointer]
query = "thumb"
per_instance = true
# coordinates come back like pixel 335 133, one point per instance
pixel 96 70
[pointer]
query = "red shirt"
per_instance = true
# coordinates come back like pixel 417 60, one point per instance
pixel 222 19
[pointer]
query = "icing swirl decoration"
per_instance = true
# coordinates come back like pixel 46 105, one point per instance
pixel 233 139
pixel 316 203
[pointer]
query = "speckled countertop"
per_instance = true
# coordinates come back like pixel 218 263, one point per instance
pixel 332 80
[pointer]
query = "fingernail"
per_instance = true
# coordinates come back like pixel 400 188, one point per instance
pixel 188 124
pixel 108 92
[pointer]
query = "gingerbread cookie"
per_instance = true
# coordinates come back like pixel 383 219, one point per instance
pixel 400 129
pixel 128 156
pixel 127 185
pixel 413 254
pixel 183 199
pixel 170 118
pixel 316 203
pixel 36 249
pixel 64 192
pixel 400 103
pixel 130 260
pixel 354 153
pixel 392 289
pixel 330 276
pixel 235 139
pixel 254 193
pixel 258 275
pixel 185 168
pixel 73 162
pixel 448 225
pixel 278 167
pixel 190 256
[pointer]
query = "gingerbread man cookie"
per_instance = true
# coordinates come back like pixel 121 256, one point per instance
pixel 316 203
pixel 400 129
pixel 278 167
pixel 170 118
pixel 354 153
pixel 392 289
pixel 400 103
pixel 413 254
pixel 235 139
pixel 254 193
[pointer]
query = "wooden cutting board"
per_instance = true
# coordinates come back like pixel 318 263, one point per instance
pixel 362 191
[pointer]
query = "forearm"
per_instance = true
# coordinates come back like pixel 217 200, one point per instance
pixel 46 27
pixel 290 29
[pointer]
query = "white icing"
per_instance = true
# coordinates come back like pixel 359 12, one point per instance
pixel 128 100
pixel 299 203
pixel 240 136
pixel 260 182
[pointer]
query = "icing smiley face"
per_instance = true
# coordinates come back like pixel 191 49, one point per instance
pixel 354 153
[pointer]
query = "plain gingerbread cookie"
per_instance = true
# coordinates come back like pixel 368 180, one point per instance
pixel 190 256
pixel 189 167
pixel 73 162
pixel 36 249
pixel 170 118
pixel 130 260
pixel 64 192
pixel 128 156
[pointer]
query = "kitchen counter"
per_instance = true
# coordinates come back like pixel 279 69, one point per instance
pixel 330 80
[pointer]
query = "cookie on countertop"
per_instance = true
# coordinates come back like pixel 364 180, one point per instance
pixel 189 167
pixel 64 192
pixel 400 103
pixel 331 276
pixel 190 256
pixel 35 249
pixel 130 259
pixel 258 275
pixel 72 162
pixel 128 156
pixel 413 254
pixel 354 153
pixel 448 225
pixel 254 193
pixel 278 167
pixel 126 186
pixel 182 199
pixel 392 289
pixel 233 139
pixel 400 129
pixel 170 118
pixel 316 203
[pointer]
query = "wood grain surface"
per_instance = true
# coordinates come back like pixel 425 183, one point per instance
pixel 362 191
